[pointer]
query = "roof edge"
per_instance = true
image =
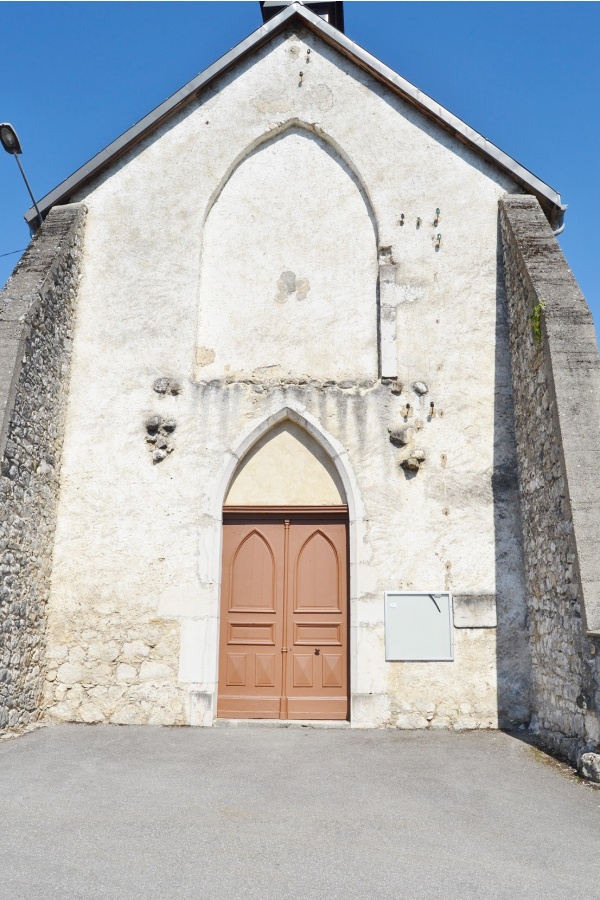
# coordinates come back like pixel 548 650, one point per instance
pixel 550 199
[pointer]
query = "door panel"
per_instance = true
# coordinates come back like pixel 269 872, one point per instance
pixel 244 633
pixel 333 670
pixel 253 575
pixel 302 673
pixel 320 634
pixel 317 574
pixel 318 619
pixel 284 619
pixel 265 669
pixel 236 669
pixel 251 621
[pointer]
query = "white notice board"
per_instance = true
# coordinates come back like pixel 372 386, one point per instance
pixel 418 625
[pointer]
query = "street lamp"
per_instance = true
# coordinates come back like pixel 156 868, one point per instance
pixel 11 143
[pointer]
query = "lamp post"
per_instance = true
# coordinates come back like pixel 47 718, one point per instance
pixel 11 143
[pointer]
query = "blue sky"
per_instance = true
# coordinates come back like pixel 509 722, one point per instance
pixel 525 75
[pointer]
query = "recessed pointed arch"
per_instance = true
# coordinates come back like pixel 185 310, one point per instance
pixel 266 664
pixel 284 611
pixel 279 131
pixel 286 467
pixel 329 444
pixel 289 269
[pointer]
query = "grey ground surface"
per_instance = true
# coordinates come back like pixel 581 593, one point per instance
pixel 129 813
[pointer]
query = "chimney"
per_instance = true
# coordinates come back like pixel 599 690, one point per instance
pixel 333 13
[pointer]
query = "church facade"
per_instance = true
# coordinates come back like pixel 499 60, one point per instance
pixel 291 474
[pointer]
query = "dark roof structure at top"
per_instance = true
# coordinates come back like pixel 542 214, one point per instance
pixel 299 15
pixel 333 13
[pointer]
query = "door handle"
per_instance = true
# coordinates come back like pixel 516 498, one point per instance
pixel 317 651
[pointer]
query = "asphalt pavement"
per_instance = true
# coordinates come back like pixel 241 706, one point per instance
pixel 150 813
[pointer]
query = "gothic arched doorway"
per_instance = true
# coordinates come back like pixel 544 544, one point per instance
pixel 284 588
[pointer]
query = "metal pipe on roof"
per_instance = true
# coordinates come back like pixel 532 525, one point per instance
pixel 559 221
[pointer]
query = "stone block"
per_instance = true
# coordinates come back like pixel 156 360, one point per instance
pixel 589 766
pixel 90 714
pixel 411 721
pixel 126 672
pixel 107 651
pixel 201 708
pixel 474 610
pixel 130 714
pixel 70 673
pixel 135 651
pixel 153 671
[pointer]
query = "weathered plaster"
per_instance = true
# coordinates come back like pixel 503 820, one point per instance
pixel 157 301
pixel 309 250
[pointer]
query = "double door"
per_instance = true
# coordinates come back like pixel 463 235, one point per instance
pixel 284 614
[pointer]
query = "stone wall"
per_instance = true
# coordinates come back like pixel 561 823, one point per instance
pixel 556 383
pixel 36 311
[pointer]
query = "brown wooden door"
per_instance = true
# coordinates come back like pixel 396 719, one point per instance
pixel 284 614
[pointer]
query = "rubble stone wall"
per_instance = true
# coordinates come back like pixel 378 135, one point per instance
pixel 36 312
pixel 556 384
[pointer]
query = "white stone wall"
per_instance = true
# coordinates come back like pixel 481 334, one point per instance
pixel 192 337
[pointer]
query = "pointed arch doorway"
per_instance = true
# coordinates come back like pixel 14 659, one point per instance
pixel 283 650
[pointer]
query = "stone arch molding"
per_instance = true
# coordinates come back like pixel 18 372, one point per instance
pixel 313 427
pixel 205 698
pixel 279 131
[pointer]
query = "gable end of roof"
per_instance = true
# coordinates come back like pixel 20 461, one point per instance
pixel 296 14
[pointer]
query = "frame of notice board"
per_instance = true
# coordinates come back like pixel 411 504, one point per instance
pixel 418 626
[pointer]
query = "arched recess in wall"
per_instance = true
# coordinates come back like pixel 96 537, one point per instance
pixel 286 467
pixel 289 266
